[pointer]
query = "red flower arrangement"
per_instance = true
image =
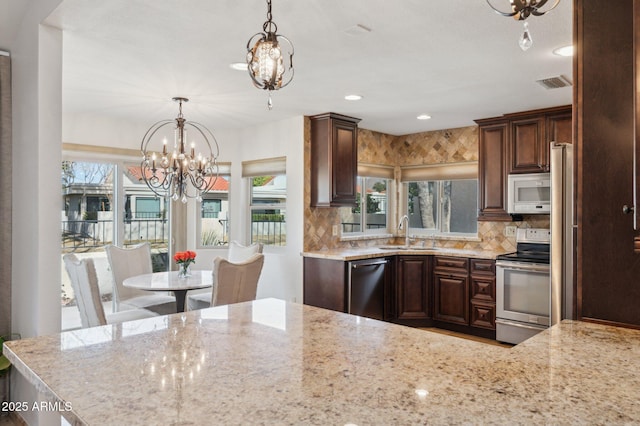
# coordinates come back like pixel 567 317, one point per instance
pixel 185 257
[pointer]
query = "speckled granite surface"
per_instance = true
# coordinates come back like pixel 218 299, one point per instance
pixel 271 362
pixel 372 252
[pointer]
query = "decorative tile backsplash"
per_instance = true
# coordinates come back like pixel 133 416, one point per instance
pixel 441 146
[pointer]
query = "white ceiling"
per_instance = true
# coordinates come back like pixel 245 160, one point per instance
pixel 456 60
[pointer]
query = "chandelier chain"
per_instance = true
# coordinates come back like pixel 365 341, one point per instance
pixel 269 26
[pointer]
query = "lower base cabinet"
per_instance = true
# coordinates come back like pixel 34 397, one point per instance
pixel 412 288
pixel 451 297
pixel 447 292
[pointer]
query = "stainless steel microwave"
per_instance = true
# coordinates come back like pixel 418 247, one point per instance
pixel 529 193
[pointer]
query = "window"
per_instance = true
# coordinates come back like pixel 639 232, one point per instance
pixel 267 200
pixel 147 207
pixel 105 202
pixel 371 212
pixel 213 220
pixel 443 206
pixel 268 210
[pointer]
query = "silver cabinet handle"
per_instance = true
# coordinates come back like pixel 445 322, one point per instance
pixel 377 262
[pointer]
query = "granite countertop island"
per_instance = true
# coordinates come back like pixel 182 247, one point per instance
pixel 273 362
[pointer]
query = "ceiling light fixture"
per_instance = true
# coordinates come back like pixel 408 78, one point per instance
pixel 423 117
pixel 564 51
pixel 169 174
pixel 270 58
pixel 353 97
pixel 521 10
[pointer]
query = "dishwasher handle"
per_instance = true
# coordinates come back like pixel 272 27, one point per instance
pixel 372 263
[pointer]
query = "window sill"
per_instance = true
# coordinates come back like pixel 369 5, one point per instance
pixel 361 237
pixel 446 237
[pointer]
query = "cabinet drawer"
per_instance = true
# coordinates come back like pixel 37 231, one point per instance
pixel 483 288
pixel 451 264
pixel 482 266
pixel 483 315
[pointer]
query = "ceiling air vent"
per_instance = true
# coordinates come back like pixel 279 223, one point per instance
pixel 554 82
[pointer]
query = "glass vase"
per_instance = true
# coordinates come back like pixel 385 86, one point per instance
pixel 184 270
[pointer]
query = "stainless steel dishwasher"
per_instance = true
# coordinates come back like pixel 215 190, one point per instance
pixel 367 280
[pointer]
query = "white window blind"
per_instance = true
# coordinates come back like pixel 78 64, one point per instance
pixel 264 167
pixel 448 171
pixel 375 170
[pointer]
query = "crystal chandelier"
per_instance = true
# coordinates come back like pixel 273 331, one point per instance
pixel 521 10
pixel 270 58
pixel 177 171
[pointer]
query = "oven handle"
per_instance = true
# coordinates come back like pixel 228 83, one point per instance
pixel 536 327
pixel 521 266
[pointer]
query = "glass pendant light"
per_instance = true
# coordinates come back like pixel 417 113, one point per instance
pixel 270 58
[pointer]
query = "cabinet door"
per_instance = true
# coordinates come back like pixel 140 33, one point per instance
pixel 412 287
pixel 526 150
pixel 560 128
pixel 492 178
pixel 345 163
pixel 334 160
pixel 451 297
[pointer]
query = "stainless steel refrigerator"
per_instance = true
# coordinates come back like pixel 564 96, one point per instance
pixel 562 232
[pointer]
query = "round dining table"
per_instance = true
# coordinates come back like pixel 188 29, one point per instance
pixel 169 281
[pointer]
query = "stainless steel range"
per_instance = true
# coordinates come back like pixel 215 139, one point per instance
pixel 523 291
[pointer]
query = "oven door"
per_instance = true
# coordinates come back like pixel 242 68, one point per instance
pixel 523 292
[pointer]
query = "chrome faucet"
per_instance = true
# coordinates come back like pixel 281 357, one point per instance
pixel 405 220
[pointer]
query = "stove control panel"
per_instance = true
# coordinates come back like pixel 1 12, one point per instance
pixel 533 235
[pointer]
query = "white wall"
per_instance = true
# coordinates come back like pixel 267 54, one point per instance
pixel 282 273
pixel 36 83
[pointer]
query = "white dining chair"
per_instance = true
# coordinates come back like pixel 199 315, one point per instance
pixel 237 253
pixel 233 282
pixel 84 282
pixel 129 262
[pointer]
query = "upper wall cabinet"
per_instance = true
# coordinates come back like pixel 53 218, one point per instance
pixel 515 143
pixel 531 133
pixel 492 176
pixel 334 160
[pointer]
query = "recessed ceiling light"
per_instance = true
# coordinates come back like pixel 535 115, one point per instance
pixel 353 97
pixel 239 66
pixel 564 51
pixel 423 117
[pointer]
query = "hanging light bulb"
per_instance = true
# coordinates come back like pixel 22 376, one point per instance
pixel 270 58
pixel 521 10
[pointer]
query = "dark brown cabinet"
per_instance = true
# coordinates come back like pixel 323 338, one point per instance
pixel 483 293
pixel 412 288
pixel 448 292
pixel 360 287
pixel 451 290
pixel 492 176
pixel 511 144
pixel 334 160
pixel 531 134
pixel 527 147
pixel 324 283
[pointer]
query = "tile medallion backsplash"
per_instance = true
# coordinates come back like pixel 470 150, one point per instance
pixel 436 147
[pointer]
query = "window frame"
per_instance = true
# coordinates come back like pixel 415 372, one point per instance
pixel 437 231
pixel 224 171
pixel 276 166
pixel 383 231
